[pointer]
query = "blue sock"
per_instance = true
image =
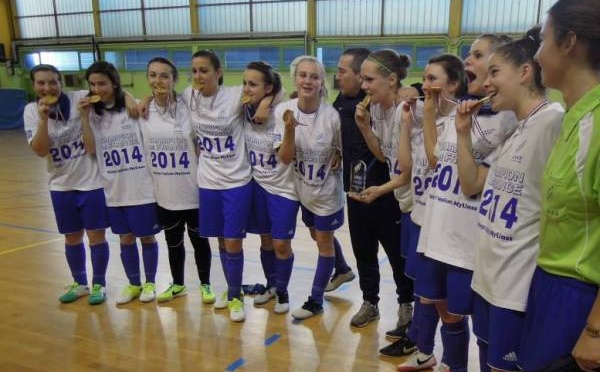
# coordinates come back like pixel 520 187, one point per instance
pixel 131 263
pixel 76 260
pixel 322 274
pixel 483 351
pixel 267 258
pixel 341 267
pixel 413 330
pixel 283 268
pixel 455 338
pixel 150 256
pixel 100 254
pixel 428 321
pixel 235 271
pixel 223 257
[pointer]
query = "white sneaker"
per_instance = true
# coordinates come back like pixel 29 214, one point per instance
pixel 221 301
pixel 417 361
pixel 129 293
pixel 148 292
pixel 236 310
pixel 443 367
pixel 283 303
pixel 266 296
pixel 308 310
pixel 405 314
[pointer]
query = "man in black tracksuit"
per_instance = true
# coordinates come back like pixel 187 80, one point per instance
pixel 370 224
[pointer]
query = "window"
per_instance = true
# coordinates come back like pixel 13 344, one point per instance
pixel 47 18
pixel 238 58
pixel 63 61
pixel 382 17
pixel 160 17
pixel 114 57
pixel 425 53
pixel 244 16
pixel 137 60
pixel 464 51
pixel 86 59
pixel 289 54
pixel 329 55
pixel 502 16
pixel 182 58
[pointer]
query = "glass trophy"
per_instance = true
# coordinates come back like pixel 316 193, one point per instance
pixel 358 176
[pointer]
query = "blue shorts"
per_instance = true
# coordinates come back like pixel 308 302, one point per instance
pixel 557 311
pixel 323 223
pixel 410 265
pixel 438 281
pixel 501 329
pixel 139 220
pixel 77 210
pixel 224 213
pixel 272 214
pixel 405 233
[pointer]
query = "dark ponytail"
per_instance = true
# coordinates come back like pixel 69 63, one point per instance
pixel 269 75
pixel 522 51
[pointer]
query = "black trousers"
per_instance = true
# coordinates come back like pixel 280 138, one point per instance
pixel 173 224
pixel 371 224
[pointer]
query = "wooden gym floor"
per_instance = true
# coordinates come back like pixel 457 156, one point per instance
pixel 37 333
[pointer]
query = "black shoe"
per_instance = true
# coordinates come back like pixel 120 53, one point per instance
pixel 401 347
pixel 398 332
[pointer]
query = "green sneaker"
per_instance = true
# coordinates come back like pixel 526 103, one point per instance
pixel 148 292
pixel 129 293
pixel 174 290
pixel 208 296
pixel 73 293
pixel 98 295
pixel 236 310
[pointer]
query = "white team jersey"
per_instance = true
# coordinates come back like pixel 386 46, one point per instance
pixel 120 154
pixel 68 166
pixel 422 174
pixel 509 213
pixel 449 232
pixel 274 176
pixel 171 152
pixel 386 126
pixel 218 121
pixel 318 137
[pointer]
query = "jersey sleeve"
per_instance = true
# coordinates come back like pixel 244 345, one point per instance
pixel 30 119
pixel 337 130
pixel 279 128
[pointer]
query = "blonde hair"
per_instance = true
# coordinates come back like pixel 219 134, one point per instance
pixel 300 59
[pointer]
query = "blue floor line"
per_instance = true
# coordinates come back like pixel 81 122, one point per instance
pixel 235 365
pixel 28 228
pixel 272 339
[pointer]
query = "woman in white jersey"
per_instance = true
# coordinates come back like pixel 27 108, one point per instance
pixel 115 138
pixel 509 213
pixel 169 141
pixel 445 74
pixel 224 173
pixel 274 202
pixel 53 129
pixel 310 137
pixel 448 235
